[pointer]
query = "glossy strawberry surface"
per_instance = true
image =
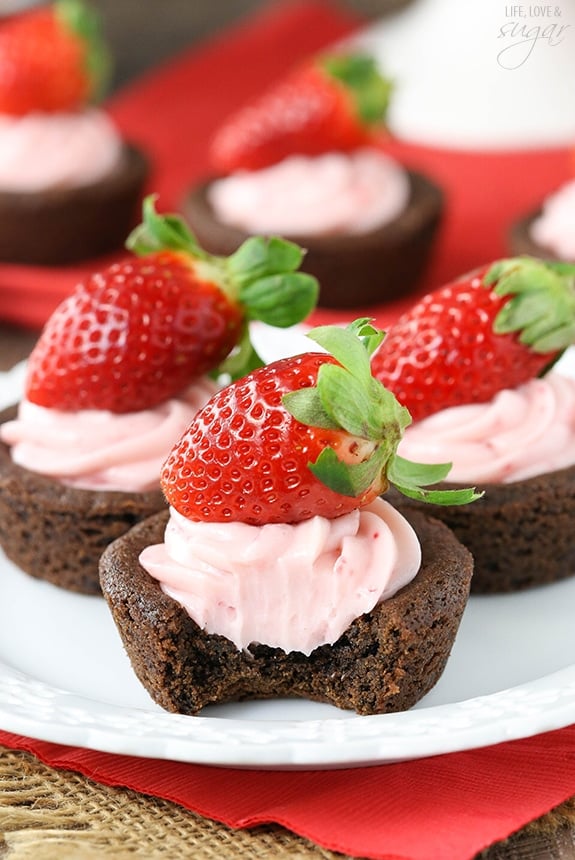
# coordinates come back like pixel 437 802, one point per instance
pixel 43 64
pixel 310 435
pixel 245 457
pixel 131 336
pixel 311 111
pixel 447 349
pixel 141 330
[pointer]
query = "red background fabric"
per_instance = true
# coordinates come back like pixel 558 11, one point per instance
pixel 446 807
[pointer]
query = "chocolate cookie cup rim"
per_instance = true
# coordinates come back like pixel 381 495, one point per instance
pixel 510 491
pixel 519 532
pixel 428 609
pixel 60 497
pixel 61 226
pixel 412 219
pixel 520 241
pixel 132 167
pixel 151 530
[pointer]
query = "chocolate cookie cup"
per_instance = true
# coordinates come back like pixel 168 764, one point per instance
pixel 57 533
pixel 385 661
pixel 520 241
pixel 66 225
pixel 353 270
pixel 520 534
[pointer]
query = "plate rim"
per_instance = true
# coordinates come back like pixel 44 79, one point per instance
pixel 47 713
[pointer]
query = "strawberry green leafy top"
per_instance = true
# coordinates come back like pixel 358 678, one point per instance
pixel 370 91
pixel 347 397
pixel 542 304
pixel 261 277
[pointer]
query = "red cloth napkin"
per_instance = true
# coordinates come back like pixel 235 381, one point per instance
pixel 446 807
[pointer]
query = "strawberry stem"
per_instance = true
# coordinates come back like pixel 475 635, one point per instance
pixel 347 397
pixel 161 233
pixel 241 361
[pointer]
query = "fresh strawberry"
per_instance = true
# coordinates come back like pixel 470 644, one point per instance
pixel 313 434
pixel 334 102
pixel 494 328
pixel 51 59
pixel 141 330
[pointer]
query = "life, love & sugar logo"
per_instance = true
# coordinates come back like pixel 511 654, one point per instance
pixel 529 28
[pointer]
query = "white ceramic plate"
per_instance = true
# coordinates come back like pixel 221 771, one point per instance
pixel 64 677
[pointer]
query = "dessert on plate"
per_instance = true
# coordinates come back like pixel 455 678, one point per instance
pixel 278 570
pixel 473 364
pixel 118 373
pixel 70 186
pixel 305 160
pixel 550 231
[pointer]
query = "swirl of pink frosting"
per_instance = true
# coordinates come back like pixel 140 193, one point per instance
pixel 293 587
pixel 98 450
pixel 555 227
pixel 521 433
pixel 67 150
pixel 335 193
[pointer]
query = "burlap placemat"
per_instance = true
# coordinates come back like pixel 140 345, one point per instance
pixel 48 814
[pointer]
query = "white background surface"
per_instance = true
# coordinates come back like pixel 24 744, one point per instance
pixel 480 73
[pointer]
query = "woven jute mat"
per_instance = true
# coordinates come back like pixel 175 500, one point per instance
pixel 48 814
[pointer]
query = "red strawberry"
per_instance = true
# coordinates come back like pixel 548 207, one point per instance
pixel 330 103
pixel 51 59
pixel 494 328
pixel 314 434
pixel 141 330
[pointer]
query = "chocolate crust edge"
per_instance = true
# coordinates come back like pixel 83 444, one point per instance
pixel 520 534
pixel 384 662
pixel 58 533
pixel 521 243
pixel 67 225
pixel 353 270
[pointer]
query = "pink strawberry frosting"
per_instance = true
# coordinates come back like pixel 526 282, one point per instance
pixel 521 433
pixel 555 227
pixel 99 450
pixel 335 193
pixel 44 151
pixel 293 587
